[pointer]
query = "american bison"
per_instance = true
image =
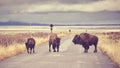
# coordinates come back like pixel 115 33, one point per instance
pixel 86 40
pixel 55 42
pixel 30 44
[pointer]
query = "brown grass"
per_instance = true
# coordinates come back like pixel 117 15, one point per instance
pixel 109 43
pixel 13 44
pixel 9 39
pixel 11 50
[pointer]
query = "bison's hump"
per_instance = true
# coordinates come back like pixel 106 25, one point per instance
pixel 84 36
pixel 87 37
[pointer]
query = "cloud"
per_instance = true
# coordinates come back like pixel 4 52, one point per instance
pixel 101 5
pixel 10 2
pixel 75 1
pixel 31 6
pixel 24 10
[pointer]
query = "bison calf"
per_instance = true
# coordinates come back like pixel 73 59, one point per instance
pixel 30 45
pixel 55 42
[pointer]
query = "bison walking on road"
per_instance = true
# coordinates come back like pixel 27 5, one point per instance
pixel 86 40
pixel 30 44
pixel 55 42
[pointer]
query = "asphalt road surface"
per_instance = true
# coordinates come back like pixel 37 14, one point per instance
pixel 70 56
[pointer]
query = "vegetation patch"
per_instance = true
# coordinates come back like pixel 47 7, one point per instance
pixel 110 45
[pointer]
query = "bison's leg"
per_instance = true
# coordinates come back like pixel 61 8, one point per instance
pixel 28 50
pixel 95 45
pixel 95 49
pixel 86 47
pixel 49 47
pixel 58 48
pixel 85 50
pixel 33 49
pixel 54 50
pixel 27 47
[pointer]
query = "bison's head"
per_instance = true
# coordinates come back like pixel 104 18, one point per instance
pixel 76 39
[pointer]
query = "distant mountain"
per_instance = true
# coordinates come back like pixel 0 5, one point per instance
pixel 78 17
pixel 13 23
pixel 66 18
pixel 87 24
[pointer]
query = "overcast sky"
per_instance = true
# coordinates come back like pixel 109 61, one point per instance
pixel 49 11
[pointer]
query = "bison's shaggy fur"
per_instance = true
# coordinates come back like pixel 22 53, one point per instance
pixel 55 42
pixel 30 45
pixel 86 40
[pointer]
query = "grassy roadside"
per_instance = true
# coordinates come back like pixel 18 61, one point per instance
pixel 13 44
pixel 14 49
pixel 11 50
pixel 109 43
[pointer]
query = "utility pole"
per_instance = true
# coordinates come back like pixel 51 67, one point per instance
pixel 51 27
pixel 30 30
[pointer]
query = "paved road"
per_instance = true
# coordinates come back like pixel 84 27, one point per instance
pixel 70 56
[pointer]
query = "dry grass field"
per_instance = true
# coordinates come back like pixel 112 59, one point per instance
pixel 12 43
pixel 109 43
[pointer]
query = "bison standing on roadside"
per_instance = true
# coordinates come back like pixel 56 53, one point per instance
pixel 86 40
pixel 55 42
pixel 30 45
